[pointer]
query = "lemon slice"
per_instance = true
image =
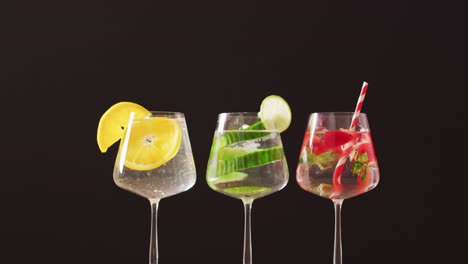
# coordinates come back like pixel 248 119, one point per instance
pixel 275 113
pixel 152 142
pixel 114 120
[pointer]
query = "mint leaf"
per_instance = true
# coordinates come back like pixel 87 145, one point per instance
pixel 363 157
pixel 327 157
pixel 307 157
pixel 357 167
pixel 360 165
pixel 310 157
pixel 324 161
pixel 364 174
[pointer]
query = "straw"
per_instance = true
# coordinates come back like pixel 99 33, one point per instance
pixel 347 147
pixel 357 111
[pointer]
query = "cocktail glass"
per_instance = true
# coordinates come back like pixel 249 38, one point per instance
pixel 337 162
pixel 155 161
pixel 246 162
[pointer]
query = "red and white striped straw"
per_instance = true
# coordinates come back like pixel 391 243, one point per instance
pixel 357 111
pixel 347 147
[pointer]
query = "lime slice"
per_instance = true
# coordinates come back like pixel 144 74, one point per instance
pixel 250 160
pixel 275 113
pixel 113 122
pixel 247 190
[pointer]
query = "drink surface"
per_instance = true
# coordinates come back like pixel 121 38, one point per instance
pixel 253 165
pixel 175 176
pixel 320 154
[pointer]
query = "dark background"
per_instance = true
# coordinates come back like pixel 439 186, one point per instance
pixel 65 62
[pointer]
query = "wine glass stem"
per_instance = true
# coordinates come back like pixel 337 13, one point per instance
pixel 154 254
pixel 337 249
pixel 247 233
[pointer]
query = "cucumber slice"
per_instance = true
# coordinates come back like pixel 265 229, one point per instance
pixel 235 137
pixel 247 190
pixel 250 160
pixel 231 177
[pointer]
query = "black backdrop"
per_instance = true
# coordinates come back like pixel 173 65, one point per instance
pixel 64 63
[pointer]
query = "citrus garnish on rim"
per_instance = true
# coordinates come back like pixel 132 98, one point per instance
pixel 275 113
pixel 153 141
pixel 114 120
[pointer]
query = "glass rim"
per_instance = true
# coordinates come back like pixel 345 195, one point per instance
pixel 344 113
pixel 239 113
pixel 158 114
pixel 253 117
pixel 167 113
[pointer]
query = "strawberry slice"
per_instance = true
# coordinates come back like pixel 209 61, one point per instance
pixel 337 138
pixel 318 146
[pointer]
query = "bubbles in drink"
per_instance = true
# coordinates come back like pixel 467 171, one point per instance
pixel 173 177
pixel 248 168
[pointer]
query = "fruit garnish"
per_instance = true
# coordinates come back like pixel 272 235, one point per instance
pixel 153 142
pixel 336 138
pixel 114 120
pixel 275 113
pixel 318 145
